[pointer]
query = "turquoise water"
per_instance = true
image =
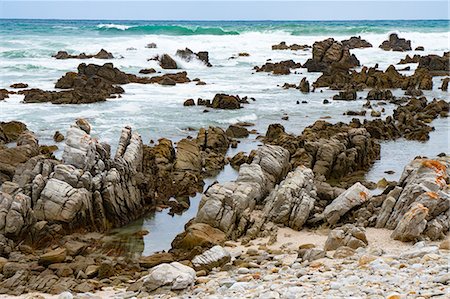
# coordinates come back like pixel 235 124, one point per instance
pixel 115 27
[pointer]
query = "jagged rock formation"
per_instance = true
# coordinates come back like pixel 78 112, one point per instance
pixel 395 43
pixel 228 206
pixel 420 204
pixel 293 47
pixel 356 42
pixel 331 151
pixel 437 65
pixel 102 54
pixel 340 78
pixel 94 83
pixel 187 54
pixel 278 68
pixel 330 52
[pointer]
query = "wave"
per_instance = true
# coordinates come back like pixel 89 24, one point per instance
pixel 166 29
pixel 114 26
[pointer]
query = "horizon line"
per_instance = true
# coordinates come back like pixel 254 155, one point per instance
pixel 225 20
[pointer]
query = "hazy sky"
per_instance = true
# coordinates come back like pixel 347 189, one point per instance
pixel 225 10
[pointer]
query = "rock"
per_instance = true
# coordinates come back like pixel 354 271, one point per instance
pixel 58 137
pixel 444 86
pixel 412 224
pixel 419 48
pixel 356 42
pixel 414 92
pixel 238 159
pixel 167 62
pixel 396 44
pixel 421 204
pixel 278 68
pixel 188 55
pixel 343 252
pixel 155 259
pixel 198 234
pixel 19 85
pixel 435 64
pixel 235 131
pixel 53 256
pixel 354 196
pixel 329 52
pixel 215 257
pixel 105 270
pixel 147 71
pixel 348 95
pixel 151 46
pixel 445 245
pixel 174 275
pixel 374 113
pixel 74 248
pixel 224 101
pixel 102 54
pixel 291 202
pixel 293 47
pixel 189 102
pixel 91 271
pixel 347 235
pixel 10 131
pixel 225 206
pixel 311 254
pixel 380 95
pixel 304 85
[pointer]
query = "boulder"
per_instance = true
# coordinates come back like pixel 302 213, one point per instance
pixel 353 197
pixel 147 71
pixel 174 275
pixel 291 202
pixel 11 130
pixel 395 43
pixel 167 62
pixel 293 47
pixel 102 54
pixel 198 234
pixel 19 85
pixel 235 131
pixel 328 52
pixel 187 54
pixel 356 42
pixel 224 101
pixel 380 95
pixel 347 235
pixel 304 85
pixel 53 256
pixel 214 257
pixel 412 224
pixel 278 68
pixel 348 95
pixel 155 259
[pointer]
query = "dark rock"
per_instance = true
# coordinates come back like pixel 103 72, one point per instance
pixel 224 101
pixel 396 44
pixel 19 85
pixel 147 71
pixel 278 68
pixel 235 131
pixel 348 95
pixel 189 102
pixel 167 62
pixel 293 47
pixel 58 137
pixel 356 42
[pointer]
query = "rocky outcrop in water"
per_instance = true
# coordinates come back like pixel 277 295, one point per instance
pixel 278 68
pixel 166 62
pixel 187 54
pixel 356 42
pixel 331 151
pixel 327 53
pixel 338 78
pixel 293 47
pixel 94 83
pixel 409 59
pixel 395 43
pixel 102 54
pixel 437 65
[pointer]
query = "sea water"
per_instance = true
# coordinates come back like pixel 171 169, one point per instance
pixel 157 111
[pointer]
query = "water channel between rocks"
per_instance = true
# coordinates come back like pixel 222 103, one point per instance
pixel 163 227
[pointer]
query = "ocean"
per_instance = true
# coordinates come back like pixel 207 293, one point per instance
pixel 157 111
